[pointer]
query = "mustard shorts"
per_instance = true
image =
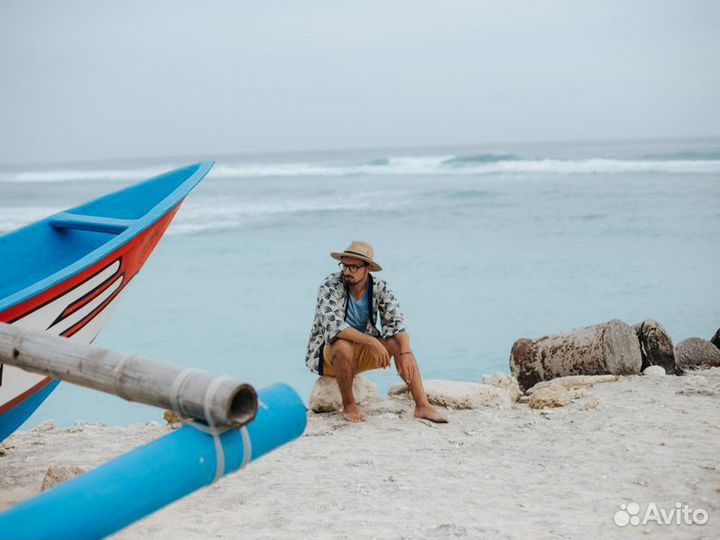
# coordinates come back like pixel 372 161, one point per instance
pixel 365 358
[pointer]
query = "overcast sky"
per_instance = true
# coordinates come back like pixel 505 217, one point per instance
pixel 96 79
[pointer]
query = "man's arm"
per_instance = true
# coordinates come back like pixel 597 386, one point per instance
pixel 404 361
pixel 403 339
pixel 394 327
pixel 351 334
pixel 355 336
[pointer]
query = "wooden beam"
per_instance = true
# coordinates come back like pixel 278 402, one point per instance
pixel 220 401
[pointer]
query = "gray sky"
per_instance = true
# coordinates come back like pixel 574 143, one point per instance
pixel 97 79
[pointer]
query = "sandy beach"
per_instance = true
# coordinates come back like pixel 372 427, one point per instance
pixel 518 473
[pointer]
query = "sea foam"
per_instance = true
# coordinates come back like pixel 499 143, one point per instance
pixel 450 165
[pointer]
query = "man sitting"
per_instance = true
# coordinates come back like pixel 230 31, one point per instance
pixel 344 340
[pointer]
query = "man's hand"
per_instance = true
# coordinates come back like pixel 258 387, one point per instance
pixel 382 353
pixel 405 364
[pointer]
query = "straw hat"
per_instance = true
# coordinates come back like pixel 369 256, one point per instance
pixel 359 250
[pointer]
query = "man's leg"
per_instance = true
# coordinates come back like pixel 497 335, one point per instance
pixel 423 409
pixel 341 354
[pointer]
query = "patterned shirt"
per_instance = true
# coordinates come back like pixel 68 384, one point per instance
pixel 331 312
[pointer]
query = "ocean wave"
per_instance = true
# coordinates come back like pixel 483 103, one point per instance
pixel 685 156
pixel 466 166
pixel 454 165
pixel 385 166
pixel 463 160
pixel 460 194
pixel 77 175
pixel 14 217
pixel 212 214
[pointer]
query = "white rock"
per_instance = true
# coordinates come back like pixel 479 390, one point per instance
pixel 554 395
pixel 574 382
pixel 459 394
pixel 325 395
pixel 506 382
pixel 654 371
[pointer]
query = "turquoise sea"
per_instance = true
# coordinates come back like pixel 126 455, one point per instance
pixel 482 245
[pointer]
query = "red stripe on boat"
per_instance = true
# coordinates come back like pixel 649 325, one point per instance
pixel 14 402
pixel 132 256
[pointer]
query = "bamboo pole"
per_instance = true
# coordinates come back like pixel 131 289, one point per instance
pixel 217 400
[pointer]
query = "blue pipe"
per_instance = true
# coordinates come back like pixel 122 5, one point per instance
pixel 104 500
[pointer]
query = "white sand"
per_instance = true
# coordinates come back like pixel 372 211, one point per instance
pixel 493 474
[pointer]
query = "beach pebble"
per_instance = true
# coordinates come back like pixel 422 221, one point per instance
pixel 57 474
pixel 656 347
pixel 654 371
pixel 171 417
pixel 574 382
pixel 696 353
pixel 593 404
pixel 325 395
pixel 506 382
pixel 459 394
pixel 554 395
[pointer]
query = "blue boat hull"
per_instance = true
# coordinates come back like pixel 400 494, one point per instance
pixel 66 273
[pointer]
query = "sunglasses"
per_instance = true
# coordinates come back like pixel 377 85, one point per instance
pixel 352 267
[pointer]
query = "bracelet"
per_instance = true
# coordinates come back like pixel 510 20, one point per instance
pixel 403 353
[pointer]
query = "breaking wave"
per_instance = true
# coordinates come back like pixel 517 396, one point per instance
pixel 455 164
pixel 477 165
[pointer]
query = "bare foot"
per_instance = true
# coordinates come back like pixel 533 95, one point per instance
pixel 429 413
pixel 353 413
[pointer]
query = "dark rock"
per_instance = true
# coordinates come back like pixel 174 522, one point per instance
pixel 715 340
pixel 656 347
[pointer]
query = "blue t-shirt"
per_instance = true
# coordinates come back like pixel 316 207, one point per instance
pixel 358 312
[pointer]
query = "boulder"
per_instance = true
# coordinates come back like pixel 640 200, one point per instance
pixel 696 353
pixel 553 395
pixel 506 382
pixel 57 474
pixel 656 347
pixel 459 394
pixel 655 371
pixel 325 395
pixel 574 382
pixel 607 348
